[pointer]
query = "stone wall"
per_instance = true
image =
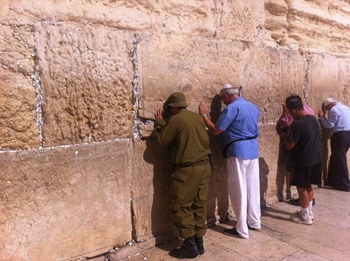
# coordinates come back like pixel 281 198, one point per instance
pixel 80 81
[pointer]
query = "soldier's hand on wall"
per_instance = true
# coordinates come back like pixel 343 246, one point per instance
pixel 159 114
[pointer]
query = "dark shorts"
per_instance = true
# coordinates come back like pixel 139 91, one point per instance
pixel 303 177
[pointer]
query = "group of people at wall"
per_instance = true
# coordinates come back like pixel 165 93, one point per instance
pixel 185 133
pixel 335 116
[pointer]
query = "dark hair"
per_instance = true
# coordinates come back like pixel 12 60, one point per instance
pixel 294 102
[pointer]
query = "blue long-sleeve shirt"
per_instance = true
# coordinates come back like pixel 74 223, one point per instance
pixel 239 121
pixel 338 118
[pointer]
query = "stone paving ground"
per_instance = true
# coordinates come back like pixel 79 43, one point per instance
pixel 328 238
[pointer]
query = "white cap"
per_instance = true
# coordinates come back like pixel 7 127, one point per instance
pixel 328 101
pixel 227 86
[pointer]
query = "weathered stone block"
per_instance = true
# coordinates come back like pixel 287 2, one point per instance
pixel 151 172
pixel 86 79
pixel 269 75
pixel 181 66
pixel 65 202
pixel 311 26
pixel 273 158
pixel 18 128
pixel 329 77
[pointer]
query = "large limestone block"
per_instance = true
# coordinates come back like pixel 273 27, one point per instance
pixel 311 26
pixel 234 20
pixel 151 172
pixel 218 199
pixel 116 14
pixel 17 45
pixel 58 204
pixel 197 67
pixel 240 20
pixel 269 75
pixel 329 76
pixel 86 76
pixel 273 158
pixel 18 128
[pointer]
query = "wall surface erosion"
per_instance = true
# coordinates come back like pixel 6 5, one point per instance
pixel 80 81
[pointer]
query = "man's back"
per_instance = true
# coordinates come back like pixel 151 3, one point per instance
pixel 340 115
pixel 187 138
pixel 239 122
pixel 305 132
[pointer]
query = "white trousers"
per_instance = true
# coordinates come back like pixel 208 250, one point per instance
pixel 244 192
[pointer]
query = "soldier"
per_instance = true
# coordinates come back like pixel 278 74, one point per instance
pixel 185 134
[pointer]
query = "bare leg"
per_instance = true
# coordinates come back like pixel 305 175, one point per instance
pixel 305 196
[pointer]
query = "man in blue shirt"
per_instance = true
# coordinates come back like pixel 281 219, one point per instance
pixel 238 124
pixel 338 121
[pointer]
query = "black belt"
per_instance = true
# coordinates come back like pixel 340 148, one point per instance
pixel 194 164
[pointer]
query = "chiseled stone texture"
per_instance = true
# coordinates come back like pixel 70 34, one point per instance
pixel 269 75
pixel 18 128
pixel 274 178
pixel 313 26
pixel 151 172
pixel 64 202
pixel 79 52
pixel 86 78
pixel 329 77
pixel 181 66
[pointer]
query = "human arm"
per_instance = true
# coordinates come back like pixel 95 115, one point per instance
pixel 203 111
pixel 292 137
pixel 285 119
pixel 163 131
pixel 329 122
pixel 288 143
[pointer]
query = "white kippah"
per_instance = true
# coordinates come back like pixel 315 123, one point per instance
pixel 328 101
pixel 227 86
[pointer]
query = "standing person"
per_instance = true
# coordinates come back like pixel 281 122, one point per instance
pixel 338 121
pixel 185 134
pixel 304 143
pixel 283 129
pixel 238 123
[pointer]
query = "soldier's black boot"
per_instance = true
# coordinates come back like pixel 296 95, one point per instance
pixel 199 241
pixel 189 249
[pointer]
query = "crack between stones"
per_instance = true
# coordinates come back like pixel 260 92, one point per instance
pixel 135 83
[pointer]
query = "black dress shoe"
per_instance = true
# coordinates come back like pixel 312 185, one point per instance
pixel 254 228
pixel 232 232
pixel 199 241
pixel 189 249
pixel 342 189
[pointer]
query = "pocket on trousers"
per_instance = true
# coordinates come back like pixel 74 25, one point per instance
pixel 178 179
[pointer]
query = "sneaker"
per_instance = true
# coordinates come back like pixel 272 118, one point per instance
pixel 232 232
pixel 311 215
pixel 297 218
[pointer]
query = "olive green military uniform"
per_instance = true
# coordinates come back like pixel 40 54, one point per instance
pixel 186 136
